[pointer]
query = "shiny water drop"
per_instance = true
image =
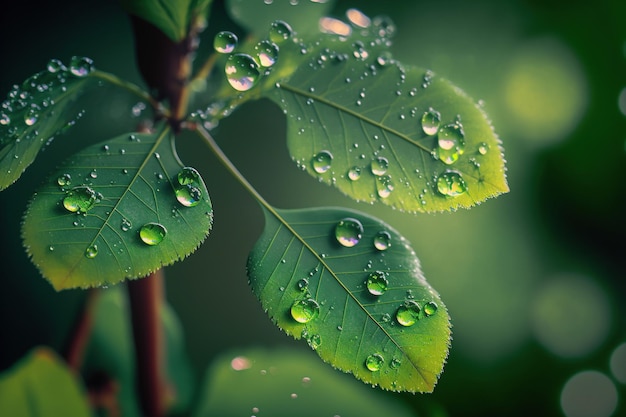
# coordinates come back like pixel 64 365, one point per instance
pixel 126 225
pixel 382 240
pixel 64 180
pixel 280 31
pixel 91 252
pixel 384 186
pixel 314 341
pixel 79 199
pixel 430 121
pixel 348 232
pixel 395 363
pixel 358 18
pixel 31 116
pixel 303 311
pixel 483 148
pixel 430 308
pixel 225 42
pixel 5 119
pixel 374 362
pixel 385 26
pixel 379 166
pixel 451 143
pixel 384 59
pixel 408 313
pixel 54 66
pixel 152 233
pixel 188 176
pixel 321 162
pixel 81 66
pixel 188 195
pixel 267 52
pixel 93 174
pixel 242 72
pixel 354 173
pixel 451 184
pixel 303 284
pixel 377 283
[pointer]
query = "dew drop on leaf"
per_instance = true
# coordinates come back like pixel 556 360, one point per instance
pixel 379 166
pixel 358 18
pixel 430 308
pixel 483 148
pixel 54 66
pixel 374 362
pixel 377 283
pixel 354 173
pixel 242 72
pixel 451 184
pixel 188 176
pixel 225 42
pixel 81 66
pixel 31 116
pixel 382 240
pixel 5 120
pixel 267 52
pixel 126 225
pixel 430 121
pixel 303 284
pixel 188 195
pixel 303 311
pixel 395 363
pixel 348 232
pixel 280 31
pixel 91 252
pixel 152 233
pixel 79 199
pixel 408 313
pixel 451 143
pixel 64 180
pixel 321 162
pixel 384 186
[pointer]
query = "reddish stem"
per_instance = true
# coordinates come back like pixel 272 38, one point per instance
pixel 75 349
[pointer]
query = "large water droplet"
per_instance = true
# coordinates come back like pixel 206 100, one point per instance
pixel 152 233
pixel 64 180
pixel 321 162
pixel 382 240
pixel 384 186
pixel 430 121
pixel 280 31
pixel 267 52
pixel 408 313
pixel 451 184
pixel 54 65
pixel 188 176
pixel 374 362
pixel 81 66
pixel 349 232
pixel 79 199
pixel 225 42
pixel 5 119
pixel 354 173
pixel 379 166
pixel 377 283
pixel 188 195
pixel 242 72
pixel 91 252
pixel 303 311
pixel 430 308
pixel 358 18
pixel 451 143
pixel 31 116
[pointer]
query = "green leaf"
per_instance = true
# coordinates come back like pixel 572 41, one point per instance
pixel 287 383
pixel 172 17
pixel 117 210
pixel 310 269
pixel 40 385
pixel 34 112
pixel 257 15
pixel 380 131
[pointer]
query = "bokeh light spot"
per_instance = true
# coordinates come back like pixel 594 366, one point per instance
pixel 618 363
pixel 589 394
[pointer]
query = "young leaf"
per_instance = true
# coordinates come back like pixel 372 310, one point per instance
pixel 117 210
pixel 34 112
pixel 352 287
pixel 40 385
pixel 379 131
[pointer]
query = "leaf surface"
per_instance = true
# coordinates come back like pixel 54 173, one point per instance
pixel 35 111
pixel 113 211
pixel 316 287
pixel 40 385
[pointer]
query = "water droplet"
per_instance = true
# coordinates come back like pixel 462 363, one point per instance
pixel 152 233
pixel 242 72
pixel 384 58
pixel 303 284
pixel 354 173
pixel 188 176
pixel 50 248
pixel 379 166
pixel 93 174
pixel 408 313
pixel 451 184
pixel 225 42
pixel 382 240
pixel 386 317
pixel 314 341
pixel 126 225
pixel 430 308
pixel 303 311
pixel 5 120
pixel 64 180
pixel 358 18
pixel 395 363
pixel 79 199
pixel 188 195
pixel 280 31
pixel 430 121
pixel 451 143
pixel 385 26
pixel 374 362
pixel 31 116
pixel 348 232
pixel 267 52
pixel 81 66
pixel 321 162
pixel 483 148
pixel 54 65
pixel 377 283
pixel 384 186
pixel 91 252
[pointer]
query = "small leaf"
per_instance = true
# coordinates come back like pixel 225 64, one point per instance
pixel 257 15
pixel 40 385
pixel 172 17
pixel 384 132
pixel 34 112
pixel 352 287
pixel 117 210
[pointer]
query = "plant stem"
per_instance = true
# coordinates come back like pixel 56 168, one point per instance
pixel 146 297
pixel 75 349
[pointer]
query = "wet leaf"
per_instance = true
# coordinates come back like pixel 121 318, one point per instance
pixel 40 385
pixel 116 210
pixel 353 288
pixel 36 111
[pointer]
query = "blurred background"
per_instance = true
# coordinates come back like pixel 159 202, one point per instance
pixel 534 280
